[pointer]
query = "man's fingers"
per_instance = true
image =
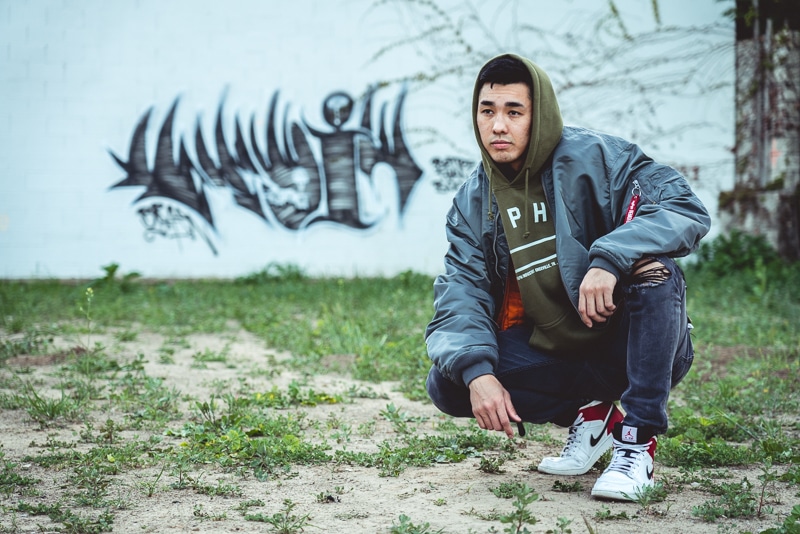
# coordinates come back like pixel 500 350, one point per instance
pixel 608 307
pixel 500 422
pixel 504 414
pixel 584 309
pixel 495 420
pixel 491 404
pixel 512 416
pixel 596 297
pixel 508 430
pixel 511 411
pixel 481 421
pixel 487 418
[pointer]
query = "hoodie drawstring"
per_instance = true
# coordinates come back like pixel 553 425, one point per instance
pixel 527 201
pixel 491 213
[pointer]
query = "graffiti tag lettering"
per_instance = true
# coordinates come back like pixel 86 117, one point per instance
pixel 169 222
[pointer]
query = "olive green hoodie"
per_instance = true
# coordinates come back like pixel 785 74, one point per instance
pixel 529 226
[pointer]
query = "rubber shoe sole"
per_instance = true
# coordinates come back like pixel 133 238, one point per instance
pixel 618 487
pixel 550 465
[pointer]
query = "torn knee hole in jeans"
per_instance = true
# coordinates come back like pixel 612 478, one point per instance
pixel 650 271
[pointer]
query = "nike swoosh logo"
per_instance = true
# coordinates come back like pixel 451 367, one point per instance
pixel 649 473
pixel 594 440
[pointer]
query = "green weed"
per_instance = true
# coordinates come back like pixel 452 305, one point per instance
pixel 34 341
pixel 206 356
pixel 518 519
pixel 647 496
pixel 202 515
pixel 45 410
pixel 564 487
pixel 325 498
pixel 126 336
pixel 92 483
pixel 252 503
pixel 682 452
pixel 562 526
pixel 124 283
pixel 790 525
pixel 400 419
pixel 605 514
pixel 507 490
pixel 150 487
pixel 406 526
pixel 414 451
pixel 11 481
pixel 735 500
pixel 273 273
pixel 792 475
pixel 220 489
pixel 283 522
pixel 492 465
pixel 72 522
pixel 366 429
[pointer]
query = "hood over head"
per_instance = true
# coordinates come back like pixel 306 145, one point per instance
pixel 546 124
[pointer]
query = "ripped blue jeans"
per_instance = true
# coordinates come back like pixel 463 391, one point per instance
pixel 647 354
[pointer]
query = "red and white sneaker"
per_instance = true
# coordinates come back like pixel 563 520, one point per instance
pixel 631 469
pixel 589 437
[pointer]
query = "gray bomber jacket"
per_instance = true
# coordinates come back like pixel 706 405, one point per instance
pixel 589 184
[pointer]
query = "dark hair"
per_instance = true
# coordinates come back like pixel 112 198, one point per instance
pixel 505 70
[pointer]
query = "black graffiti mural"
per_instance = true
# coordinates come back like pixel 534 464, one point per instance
pixel 293 174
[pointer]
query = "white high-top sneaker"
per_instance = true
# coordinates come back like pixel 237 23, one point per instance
pixel 589 437
pixel 631 467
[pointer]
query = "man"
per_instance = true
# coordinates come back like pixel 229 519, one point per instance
pixel 560 294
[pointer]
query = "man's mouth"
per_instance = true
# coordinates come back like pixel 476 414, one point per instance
pixel 501 144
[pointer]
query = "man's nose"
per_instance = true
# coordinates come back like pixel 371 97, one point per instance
pixel 499 125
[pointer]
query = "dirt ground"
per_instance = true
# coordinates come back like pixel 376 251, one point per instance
pixel 453 498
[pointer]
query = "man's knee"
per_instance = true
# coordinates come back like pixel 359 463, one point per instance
pixel 431 384
pixel 447 396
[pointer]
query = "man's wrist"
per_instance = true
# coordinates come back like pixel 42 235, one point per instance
pixel 602 263
pixel 474 371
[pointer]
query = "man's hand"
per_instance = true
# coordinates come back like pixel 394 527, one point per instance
pixel 596 301
pixel 491 405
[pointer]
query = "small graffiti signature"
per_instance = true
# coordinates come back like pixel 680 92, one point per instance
pixel 169 222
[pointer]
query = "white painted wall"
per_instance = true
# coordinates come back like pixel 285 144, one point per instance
pixel 77 75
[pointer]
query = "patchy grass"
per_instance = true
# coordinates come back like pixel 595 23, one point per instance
pixel 115 427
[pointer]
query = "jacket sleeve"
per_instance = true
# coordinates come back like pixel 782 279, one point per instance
pixel 670 219
pixel 461 337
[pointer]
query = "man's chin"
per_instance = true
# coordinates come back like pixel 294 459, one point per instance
pixel 501 158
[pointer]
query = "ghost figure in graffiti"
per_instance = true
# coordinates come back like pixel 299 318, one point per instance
pixel 350 195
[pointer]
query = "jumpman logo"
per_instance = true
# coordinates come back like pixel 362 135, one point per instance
pixel 629 434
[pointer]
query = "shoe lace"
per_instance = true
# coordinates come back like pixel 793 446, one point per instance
pixel 626 457
pixel 572 438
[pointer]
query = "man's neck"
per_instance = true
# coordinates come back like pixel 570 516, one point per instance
pixel 507 171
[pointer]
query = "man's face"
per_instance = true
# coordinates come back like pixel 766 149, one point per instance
pixel 504 122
